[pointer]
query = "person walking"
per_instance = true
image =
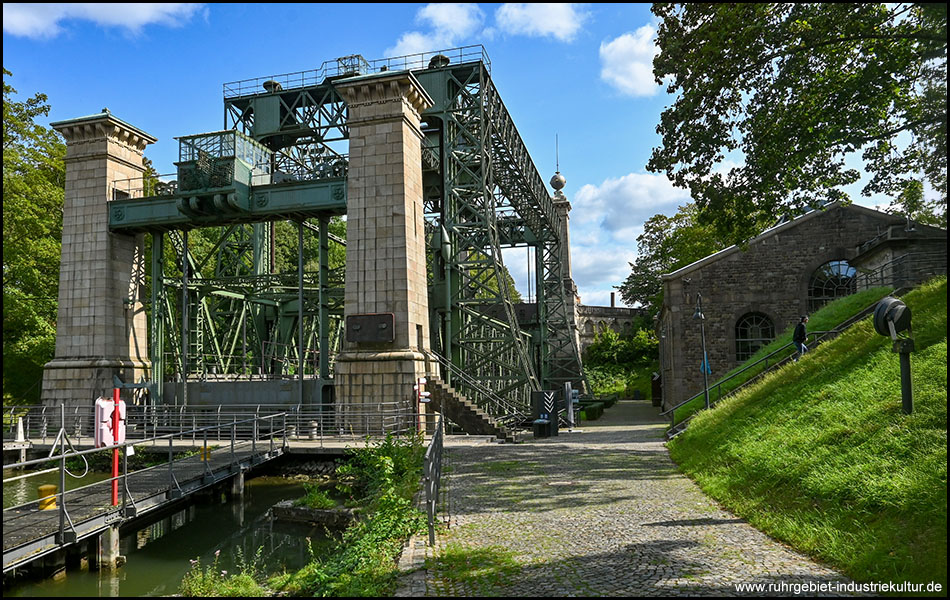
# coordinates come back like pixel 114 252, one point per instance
pixel 799 337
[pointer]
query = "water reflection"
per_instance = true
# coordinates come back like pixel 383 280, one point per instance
pixel 158 553
pixel 25 490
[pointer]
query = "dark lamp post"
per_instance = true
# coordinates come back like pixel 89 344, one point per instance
pixel 891 317
pixel 698 315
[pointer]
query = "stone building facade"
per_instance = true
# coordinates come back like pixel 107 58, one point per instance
pixel 593 319
pixel 751 296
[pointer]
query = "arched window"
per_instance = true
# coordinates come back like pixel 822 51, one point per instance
pixel 831 280
pixel 753 331
pixel 589 328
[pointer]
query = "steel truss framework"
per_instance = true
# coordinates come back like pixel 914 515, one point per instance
pixel 222 312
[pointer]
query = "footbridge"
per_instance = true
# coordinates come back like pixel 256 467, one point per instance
pixel 191 449
pixel 343 228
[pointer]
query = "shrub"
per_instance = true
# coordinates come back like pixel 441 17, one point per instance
pixel 216 582
pixel 315 497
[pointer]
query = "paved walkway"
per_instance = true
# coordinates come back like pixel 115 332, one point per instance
pixel 603 512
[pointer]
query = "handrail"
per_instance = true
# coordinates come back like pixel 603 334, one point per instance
pixel 138 441
pixel 432 476
pixel 512 411
pixel 764 359
pixel 818 338
pixel 322 419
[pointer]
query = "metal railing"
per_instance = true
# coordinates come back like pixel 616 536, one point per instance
pixel 146 422
pixel 501 410
pixel 907 269
pixel 769 361
pixel 22 521
pixel 354 65
pixel 432 476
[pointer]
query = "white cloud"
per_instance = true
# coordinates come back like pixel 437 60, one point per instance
pixel 601 267
pixel 606 220
pixel 42 21
pixel 561 21
pixel 627 62
pixel 620 205
pixel 448 24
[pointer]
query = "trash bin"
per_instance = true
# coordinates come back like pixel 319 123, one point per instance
pixel 542 428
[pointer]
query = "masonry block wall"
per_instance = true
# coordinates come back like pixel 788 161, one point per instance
pixel 101 328
pixel 385 260
pixel 591 320
pixel 770 277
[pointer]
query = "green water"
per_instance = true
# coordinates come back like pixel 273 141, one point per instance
pixel 26 489
pixel 159 553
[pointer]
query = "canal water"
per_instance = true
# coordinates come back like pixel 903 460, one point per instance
pixel 159 553
pixel 26 490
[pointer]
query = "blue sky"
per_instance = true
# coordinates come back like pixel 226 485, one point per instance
pixel 581 72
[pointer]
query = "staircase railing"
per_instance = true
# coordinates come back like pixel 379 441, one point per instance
pixel 501 410
pixel 432 476
pixel 777 357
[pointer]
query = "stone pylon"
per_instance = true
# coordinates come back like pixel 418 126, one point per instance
pixel 101 328
pixel 563 208
pixel 382 356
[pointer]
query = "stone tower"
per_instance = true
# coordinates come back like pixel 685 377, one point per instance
pixel 101 329
pixel 386 302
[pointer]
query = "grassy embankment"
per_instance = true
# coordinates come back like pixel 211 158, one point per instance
pixel 827 318
pixel 820 455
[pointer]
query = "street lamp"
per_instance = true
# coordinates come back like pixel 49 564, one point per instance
pixel 698 315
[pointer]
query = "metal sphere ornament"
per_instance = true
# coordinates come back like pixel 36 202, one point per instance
pixel 558 181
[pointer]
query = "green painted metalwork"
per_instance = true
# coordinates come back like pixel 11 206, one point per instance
pixel 283 156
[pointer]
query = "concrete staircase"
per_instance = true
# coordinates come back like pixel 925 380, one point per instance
pixel 463 412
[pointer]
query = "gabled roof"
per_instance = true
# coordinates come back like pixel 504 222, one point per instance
pixel 775 230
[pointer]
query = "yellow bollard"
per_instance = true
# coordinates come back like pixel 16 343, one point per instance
pixel 47 494
pixel 205 454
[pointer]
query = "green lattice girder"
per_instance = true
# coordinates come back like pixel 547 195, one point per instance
pixel 482 193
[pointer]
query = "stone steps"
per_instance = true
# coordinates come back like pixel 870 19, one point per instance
pixel 463 412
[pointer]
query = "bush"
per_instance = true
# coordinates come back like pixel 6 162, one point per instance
pixel 212 581
pixel 384 478
pixel 315 497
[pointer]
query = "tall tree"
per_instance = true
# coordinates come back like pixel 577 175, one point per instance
pixel 34 176
pixel 666 244
pixel 796 89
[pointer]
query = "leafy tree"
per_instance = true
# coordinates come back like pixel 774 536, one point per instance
pixel 666 244
pixel 634 350
pixel 797 88
pixel 33 178
pixel 912 204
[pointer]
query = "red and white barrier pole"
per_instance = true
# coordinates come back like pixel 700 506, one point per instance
pixel 115 451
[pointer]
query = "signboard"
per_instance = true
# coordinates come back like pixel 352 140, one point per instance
pixel 372 327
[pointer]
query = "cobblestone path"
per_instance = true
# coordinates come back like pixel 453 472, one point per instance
pixel 602 512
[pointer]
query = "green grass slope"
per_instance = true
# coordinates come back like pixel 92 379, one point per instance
pixel 820 455
pixel 827 318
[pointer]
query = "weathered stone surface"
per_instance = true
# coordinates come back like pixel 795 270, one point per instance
pixel 101 326
pixel 385 259
pixel 331 517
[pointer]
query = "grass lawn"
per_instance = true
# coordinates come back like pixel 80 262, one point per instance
pixel 820 455
pixel 825 319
